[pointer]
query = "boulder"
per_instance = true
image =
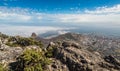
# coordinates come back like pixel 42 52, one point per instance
pixel 56 65
pixel 9 54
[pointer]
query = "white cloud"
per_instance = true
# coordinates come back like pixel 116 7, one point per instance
pixel 91 18
pixel 18 15
pixel 14 17
pixel 105 9
pixel 101 16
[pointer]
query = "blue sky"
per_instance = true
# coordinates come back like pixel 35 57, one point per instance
pixel 26 16
pixel 62 6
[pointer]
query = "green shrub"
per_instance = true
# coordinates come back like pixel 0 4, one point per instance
pixel 21 41
pixel 50 51
pixel 3 68
pixel 37 67
pixel 12 44
pixel 3 35
pixel 32 60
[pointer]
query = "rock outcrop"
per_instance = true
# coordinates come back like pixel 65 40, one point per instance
pixel 77 59
pixel 57 65
pixel 9 54
pixel 33 35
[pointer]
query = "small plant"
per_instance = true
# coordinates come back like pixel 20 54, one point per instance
pixel 21 41
pixel 3 35
pixel 50 51
pixel 32 60
pixel 3 68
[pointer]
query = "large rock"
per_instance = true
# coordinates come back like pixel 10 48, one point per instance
pixel 57 65
pixel 9 54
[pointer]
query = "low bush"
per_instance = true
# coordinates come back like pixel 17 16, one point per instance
pixel 51 51
pixel 20 41
pixel 3 36
pixel 32 60
pixel 3 68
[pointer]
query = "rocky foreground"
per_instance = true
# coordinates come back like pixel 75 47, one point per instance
pixel 63 52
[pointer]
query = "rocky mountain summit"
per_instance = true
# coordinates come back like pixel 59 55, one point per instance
pixel 68 52
pixel 102 44
pixel 75 58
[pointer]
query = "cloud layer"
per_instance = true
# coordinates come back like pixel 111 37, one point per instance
pixel 18 16
pixel 100 14
pixel 27 30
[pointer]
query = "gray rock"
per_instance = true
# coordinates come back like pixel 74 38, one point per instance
pixel 83 60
